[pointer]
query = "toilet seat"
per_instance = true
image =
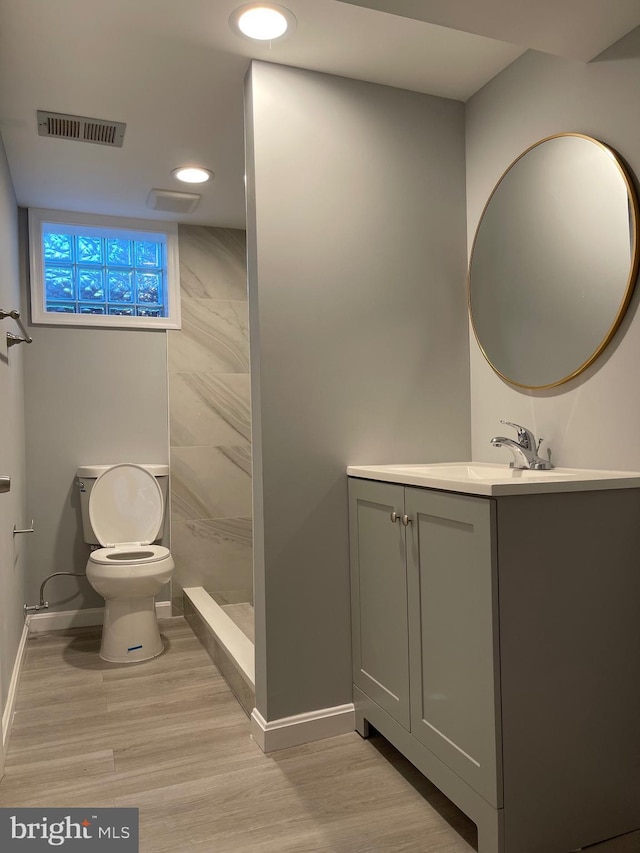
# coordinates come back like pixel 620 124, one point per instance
pixel 129 555
pixel 126 509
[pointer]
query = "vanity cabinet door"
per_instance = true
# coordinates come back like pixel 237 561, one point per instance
pixel 452 598
pixel 379 595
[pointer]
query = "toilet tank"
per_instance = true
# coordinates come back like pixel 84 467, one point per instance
pixel 87 475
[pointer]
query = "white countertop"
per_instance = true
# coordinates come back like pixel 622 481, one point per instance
pixel 490 478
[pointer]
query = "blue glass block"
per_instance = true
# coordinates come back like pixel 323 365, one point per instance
pixel 148 254
pixel 150 312
pixel 89 250
pixel 57 247
pixel 92 309
pixel 54 308
pixel 120 285
pixel 120 253
pixel 149 286
pixel 58 282
pixel 90 285
pixel 122 310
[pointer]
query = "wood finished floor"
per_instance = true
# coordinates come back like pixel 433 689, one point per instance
pixel 168 737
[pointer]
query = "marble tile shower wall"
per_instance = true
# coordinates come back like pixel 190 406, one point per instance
pixel 210 421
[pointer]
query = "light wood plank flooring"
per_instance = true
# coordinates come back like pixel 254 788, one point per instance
pixel 168 737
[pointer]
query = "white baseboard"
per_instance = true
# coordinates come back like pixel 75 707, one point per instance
pixel 164 609
pixel 39 623
pixel 302 728
pixel 9 708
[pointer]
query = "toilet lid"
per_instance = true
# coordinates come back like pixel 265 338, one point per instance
pixel 126 506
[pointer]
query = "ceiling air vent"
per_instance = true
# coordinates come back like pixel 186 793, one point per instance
pixel 172 202
pixel 81 128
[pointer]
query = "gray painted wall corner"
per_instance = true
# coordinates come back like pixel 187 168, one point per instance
pixel 13 510
pixel 360 346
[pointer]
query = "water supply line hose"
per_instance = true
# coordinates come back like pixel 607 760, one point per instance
pixel 44 605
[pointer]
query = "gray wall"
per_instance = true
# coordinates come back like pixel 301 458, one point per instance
pixel 12 449
pixel 210 421
pixel 92 396
pixel 359 346
pixel 591 421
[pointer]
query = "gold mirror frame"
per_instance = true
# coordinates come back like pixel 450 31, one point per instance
pixel 634 214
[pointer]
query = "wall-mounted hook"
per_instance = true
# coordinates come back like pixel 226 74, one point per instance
pixel 27 530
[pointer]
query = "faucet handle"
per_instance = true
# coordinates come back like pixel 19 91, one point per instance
pixel 525 437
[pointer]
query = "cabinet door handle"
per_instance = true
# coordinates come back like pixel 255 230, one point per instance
pixel 406 520
pixel 394 517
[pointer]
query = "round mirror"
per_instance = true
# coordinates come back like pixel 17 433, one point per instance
pixel 554 261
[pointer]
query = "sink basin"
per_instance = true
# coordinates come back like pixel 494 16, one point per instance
pixel 478 471
pixel 490 478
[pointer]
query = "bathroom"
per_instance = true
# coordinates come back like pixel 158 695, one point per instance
pixel 391 378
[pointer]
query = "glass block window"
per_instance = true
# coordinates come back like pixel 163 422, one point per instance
pixel 88 275
pixel 103 271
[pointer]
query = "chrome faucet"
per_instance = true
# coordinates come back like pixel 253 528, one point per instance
pixel 525 449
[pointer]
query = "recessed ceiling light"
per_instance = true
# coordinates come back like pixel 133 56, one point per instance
pixel 192 174
pixel 263 21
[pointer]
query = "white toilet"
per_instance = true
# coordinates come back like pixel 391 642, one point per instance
pixel 123 510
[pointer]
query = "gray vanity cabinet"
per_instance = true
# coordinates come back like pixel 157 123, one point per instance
pixel 379 593
pixel 496 644
pixel 451 585
pixel 423 620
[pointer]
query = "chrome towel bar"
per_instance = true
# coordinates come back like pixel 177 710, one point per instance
pixel 12 339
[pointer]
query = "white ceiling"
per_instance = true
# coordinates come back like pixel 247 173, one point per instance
pixel 173 71
pixel 577 29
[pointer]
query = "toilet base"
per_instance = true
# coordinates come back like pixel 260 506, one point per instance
pixel 130 631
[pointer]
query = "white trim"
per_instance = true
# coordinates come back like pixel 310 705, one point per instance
pixel 100 220
pixel 40 623
pixel 302 728
pixel 164 609
pixel 9 708
pixel 235 643
pixel 39 216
